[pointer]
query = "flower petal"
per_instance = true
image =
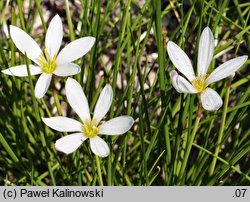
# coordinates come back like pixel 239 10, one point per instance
pixel 21 70
pixel 211 100
pixel 181 84
pixel 63 124
pixel 25 43
pixel 42 85
pixel 116 126
pixel 69 143
pixel 206 51
pixel 77 99
pixel 99 146
pixel 180 60
pixel 67 69
pixel 103 103
pixel 75 50
pixel 54 36
pixel 173 76
pixel 226 69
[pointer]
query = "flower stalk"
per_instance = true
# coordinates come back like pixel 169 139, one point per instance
pixel 190 142
pixel 99 172
pixel 222 126
pixel 57 103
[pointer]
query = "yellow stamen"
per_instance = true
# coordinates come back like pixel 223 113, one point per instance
pixel 47 64
pixel 90 128
pixel 199 83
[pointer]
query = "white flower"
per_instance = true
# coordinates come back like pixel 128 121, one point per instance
pixel 48 61
pixel 89 128
pixel 199 84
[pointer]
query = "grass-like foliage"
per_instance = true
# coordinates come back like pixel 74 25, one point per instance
pixel 173 140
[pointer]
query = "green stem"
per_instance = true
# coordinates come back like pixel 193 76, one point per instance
pixel 222 127
pixel 57 102
pixel 70 24
pixel 161 51
pixel 115 75
pixel 8 149
pixel 38 2
pixel 35 103
pixel 37 114
pixel 223 161
pixel 99 171
pixel 190 142
pixel 20 13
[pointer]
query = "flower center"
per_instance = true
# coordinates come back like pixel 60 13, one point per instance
pixel 47 64
pixel 90 128
pixel 199 83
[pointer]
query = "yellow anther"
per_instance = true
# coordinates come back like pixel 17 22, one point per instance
pixel 47 64
pixel 90 128
pixel 199 83
pixel 46 54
